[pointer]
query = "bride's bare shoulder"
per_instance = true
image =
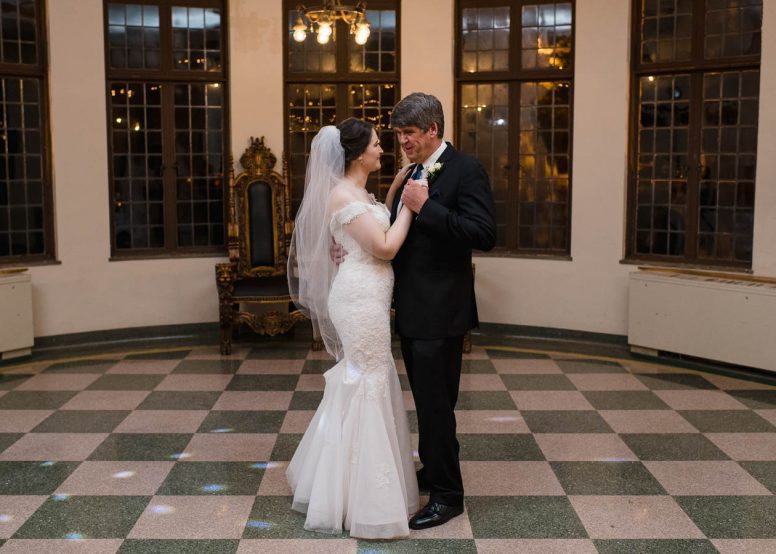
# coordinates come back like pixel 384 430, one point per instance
pixel 341 195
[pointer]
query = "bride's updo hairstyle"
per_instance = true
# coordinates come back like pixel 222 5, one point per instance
pixel 355 135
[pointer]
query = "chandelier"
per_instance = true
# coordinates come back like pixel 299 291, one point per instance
pixel 322 20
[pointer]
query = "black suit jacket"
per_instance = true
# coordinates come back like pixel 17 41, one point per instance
pixel 434 285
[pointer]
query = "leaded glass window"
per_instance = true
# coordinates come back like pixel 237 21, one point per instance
pixel 695 114
pixel 168 142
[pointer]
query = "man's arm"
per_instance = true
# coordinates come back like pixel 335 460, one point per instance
pixel 474 220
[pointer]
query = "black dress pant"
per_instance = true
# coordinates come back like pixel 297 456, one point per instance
pixel 434 371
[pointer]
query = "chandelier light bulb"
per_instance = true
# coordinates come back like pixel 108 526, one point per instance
pixel 299 30
pixel 324 29
pixel 362 33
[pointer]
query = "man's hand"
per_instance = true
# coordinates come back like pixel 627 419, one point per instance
pixel 337 252
pixel 415 194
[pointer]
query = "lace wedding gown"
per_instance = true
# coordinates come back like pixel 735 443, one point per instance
pixel 354 466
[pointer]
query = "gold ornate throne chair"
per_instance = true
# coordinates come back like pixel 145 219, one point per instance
pixel 259 232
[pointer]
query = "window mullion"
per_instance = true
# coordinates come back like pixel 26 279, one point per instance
pixel 513 214
pixel 695 168
pixel 171 171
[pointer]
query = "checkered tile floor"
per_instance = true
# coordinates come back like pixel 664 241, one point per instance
pixel 184 451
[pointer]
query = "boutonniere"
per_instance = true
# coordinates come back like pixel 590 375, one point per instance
pixel 434 171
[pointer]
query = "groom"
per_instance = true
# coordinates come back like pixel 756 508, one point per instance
pixel 434 289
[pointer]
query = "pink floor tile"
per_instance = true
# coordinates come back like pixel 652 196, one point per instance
pixel 705 478
pixel 232 447
pixel 116 478
pixel 14 511
pixel 584 447
pixel 254 400
pixel 646 421
pixel 53 446
pixel 193 517
pixel 634 517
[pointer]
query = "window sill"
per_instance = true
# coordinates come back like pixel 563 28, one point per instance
pixel 167 256
pixel 515 255
pixel 28 263
pixel 677 265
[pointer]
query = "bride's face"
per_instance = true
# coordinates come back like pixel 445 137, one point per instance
pixel 371 156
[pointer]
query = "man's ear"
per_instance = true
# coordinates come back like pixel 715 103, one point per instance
pixel 433 130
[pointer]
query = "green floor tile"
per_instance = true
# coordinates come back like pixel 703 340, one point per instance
pixel 529 517
pixel 726 421
pixel 672 446
pixel 81 366
pixel 732 517
pixel 213 478
pixel 263 382
pixel 590 366
pixel 606 478
pixel 126 382
pixel 220 367
pixel 669 381
pixel 537 382
pixel 317 367
pixel 413 420
pixel 765 472
pixel 285 446
pixel 29 478
pixel 11 381
pixel 477 366
pixel 175 546
pixel 81 421
pixel 501 447
pixel 404 381
pixel 625 400
pixel 571 421
pixel 756 399
pixel 166 355
pixel 415 546
pixel 35 400
pixel 142 447
pixel 654 546
pixel 484 400
pixel 179 400
pixel 7 439
pixel 303 400
pixel 88 517
pixel 272 518
pixel 242 422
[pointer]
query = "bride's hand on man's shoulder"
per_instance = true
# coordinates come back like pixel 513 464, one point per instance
pixel 402 173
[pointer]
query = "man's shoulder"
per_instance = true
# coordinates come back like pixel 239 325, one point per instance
pixel 461 159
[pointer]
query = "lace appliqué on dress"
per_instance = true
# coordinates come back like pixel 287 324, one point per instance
pixel 383 476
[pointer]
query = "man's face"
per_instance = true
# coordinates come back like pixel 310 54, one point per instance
pixel 417 145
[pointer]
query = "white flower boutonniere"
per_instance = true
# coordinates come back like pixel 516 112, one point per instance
pixel 434 171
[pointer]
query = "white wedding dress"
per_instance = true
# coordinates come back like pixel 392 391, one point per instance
pixel 354 467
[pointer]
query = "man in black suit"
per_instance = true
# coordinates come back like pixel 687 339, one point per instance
pixel 434 289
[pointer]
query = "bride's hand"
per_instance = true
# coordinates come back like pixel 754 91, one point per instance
pixel 397 181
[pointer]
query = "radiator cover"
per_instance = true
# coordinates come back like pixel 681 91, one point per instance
pixel 721 319
pixel 16 333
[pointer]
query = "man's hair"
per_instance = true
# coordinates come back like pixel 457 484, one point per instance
pixel 419 110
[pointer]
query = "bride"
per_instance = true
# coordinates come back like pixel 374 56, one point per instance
pixel 353 467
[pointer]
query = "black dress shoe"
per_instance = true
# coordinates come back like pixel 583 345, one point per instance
pixel 433 514
pixel 422 483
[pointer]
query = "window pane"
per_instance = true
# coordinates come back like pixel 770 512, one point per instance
pixel 666 30
pixel 310 108
pixel 309 56
pixel 544 156
pixel 22 201
pixel 199 164
pixel 196 38
pixel 733 28
pixel 728 156
pixel 663 166
pixel 373 103
pixel 484 117
pixel 133 36
pixel 546 36
pixel 485 39
pixel 136 165
pixel 18 34
pixel 379 52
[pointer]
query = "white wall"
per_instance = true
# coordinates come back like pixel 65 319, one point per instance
pixel 87 292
